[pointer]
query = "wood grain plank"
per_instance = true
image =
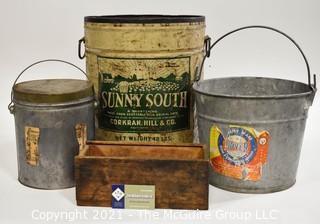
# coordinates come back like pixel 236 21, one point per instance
pixel 180 184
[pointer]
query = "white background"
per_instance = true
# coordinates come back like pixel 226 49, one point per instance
pixel 40 29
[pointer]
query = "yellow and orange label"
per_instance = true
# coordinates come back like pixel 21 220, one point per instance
pixel 240 154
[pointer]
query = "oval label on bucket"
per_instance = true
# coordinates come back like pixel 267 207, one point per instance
pixel 240 153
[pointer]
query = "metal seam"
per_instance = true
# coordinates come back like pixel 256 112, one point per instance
pixel 195 50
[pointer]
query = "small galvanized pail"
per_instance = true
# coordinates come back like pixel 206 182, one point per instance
pixel 52 119
pixel 143 67
pixel 253 127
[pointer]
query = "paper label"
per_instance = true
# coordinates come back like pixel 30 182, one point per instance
pixel 81 133
pixel 32 145
pixel 133 196
pixel 240 154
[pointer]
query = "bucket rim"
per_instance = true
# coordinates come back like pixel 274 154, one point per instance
pixel 240 96
pixel 144 18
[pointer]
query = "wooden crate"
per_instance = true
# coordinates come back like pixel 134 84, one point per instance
pixel 179 173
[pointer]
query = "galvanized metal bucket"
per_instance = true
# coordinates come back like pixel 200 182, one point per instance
pixel 143 67
pixel 253 127
pixel 53 118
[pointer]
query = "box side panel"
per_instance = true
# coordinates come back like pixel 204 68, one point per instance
pixel 179 184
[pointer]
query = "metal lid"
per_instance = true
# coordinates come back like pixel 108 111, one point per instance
pixel 52 90
pixel 145 19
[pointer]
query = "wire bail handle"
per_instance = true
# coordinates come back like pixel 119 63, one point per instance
pixel 208 47
pixel 11 104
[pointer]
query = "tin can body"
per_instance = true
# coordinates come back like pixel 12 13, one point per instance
pixel 254 129
pixel 53 119
pixel 54 139
pixel 143 68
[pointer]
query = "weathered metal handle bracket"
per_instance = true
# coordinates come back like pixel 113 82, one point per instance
pixel 81 56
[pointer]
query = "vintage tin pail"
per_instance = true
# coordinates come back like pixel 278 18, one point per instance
pixel 52 119
pixel 143 67
pixel 253 127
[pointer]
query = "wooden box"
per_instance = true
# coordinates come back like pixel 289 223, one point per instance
pixel 179 173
